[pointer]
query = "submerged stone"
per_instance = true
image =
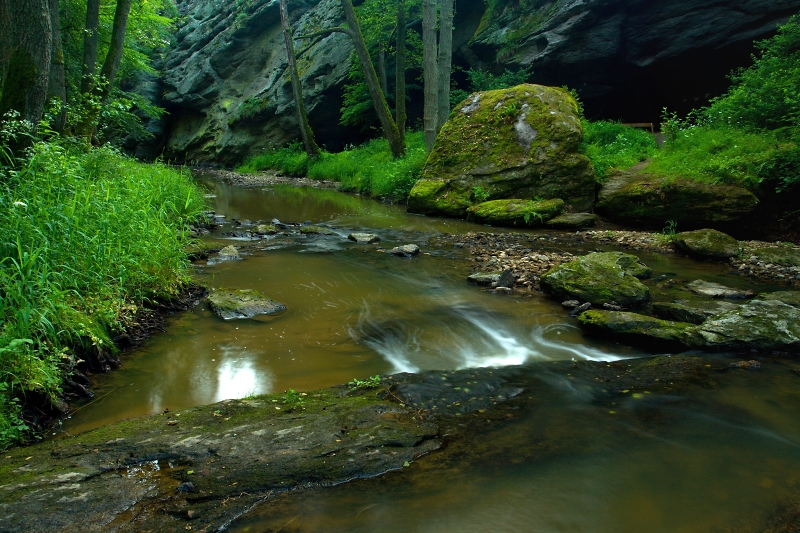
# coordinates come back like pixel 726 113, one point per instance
pixel 316 230
pixel 515 212
pixel 716 290
pixel 364 238
pixel 242 303
pixel 572 221
pixel 521 142
pixel 707 243
pixel 600 278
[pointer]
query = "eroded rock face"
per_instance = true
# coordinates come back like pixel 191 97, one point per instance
pixel 511 143
pixel 707 243
pixel 600 278
pixel 651 201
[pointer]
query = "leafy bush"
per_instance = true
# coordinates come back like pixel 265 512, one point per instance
pixel 85 238
pixel 484 80
pixel 611 145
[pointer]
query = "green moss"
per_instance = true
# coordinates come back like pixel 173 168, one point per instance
pixel 636 328
pixel 783 256
pixel 435 197
pixel 516 212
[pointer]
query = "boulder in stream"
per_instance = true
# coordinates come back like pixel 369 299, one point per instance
pixel 266 229
pixel 531 213
pixel 364 238
pixel 572 221
pixel 600 278
pixel 242 303
pixel 316 230
pixel 229 253
pixel 635 328
pixel 691 312
pixel 707 243
pixel 484 279
pixel 407 250
pixel 717 290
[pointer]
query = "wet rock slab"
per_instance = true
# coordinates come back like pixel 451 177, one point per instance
pixel 242 303
pixel 716 290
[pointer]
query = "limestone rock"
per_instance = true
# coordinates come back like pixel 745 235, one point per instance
pixel 651 201
pixel 515 212
pixel 600 278
pixel 707 243
pixel 520 142
pixel 717 290
pixel 407 250
pixel 245 303
pixel 364 238
pixel 572 221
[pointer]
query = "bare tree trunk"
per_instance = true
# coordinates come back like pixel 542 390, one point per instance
pixel 27 40
pixel 400 71
pixel 382 69
pixel 57 80
pixel 378 99
pixel 430 108
pixel 297 89
pixel 114 55
pixel 89 65
pixel 445 61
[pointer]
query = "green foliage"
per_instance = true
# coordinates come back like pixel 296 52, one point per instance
pixel 483 80
pixel 611 145
pixel 85 239
pixel 479 194
pixel 370 383
pixel 368 169
pixel 293 400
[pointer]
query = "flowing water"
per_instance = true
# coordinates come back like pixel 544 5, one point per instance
pixel 353 312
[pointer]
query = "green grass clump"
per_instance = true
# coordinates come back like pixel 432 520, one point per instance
pixel 368 169
pixel 85 238
pixel 611 145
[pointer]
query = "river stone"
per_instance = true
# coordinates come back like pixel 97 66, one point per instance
pixel 515 212
pixel 242 303
pixel 266 229
pixel 572 221
pixel 761 325
pixel 651 201
pixel 716 290
pixel 484 278
pixel 779 255
pixel 707 243
pixel 521 142
pixel 316 230
pixel 691 312
pixel 788 297
pixel 229 253
pixel 600 278
pixel 407 250
pixel 364 238
pixel 635 328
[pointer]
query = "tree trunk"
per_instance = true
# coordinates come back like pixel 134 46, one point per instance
pixel 382 69
pixel 27 42
pixel 114 56
pixel 378 99
pixel 57 83
pixel 445 61
pixel 400 71
pixel 89 65
pixel 430 107
pixel 297 89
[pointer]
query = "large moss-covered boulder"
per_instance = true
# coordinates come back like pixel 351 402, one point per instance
pixel 646 200
pixel 530 213
pixel 600 278
pixel 242 303
pixel 520 142
pixel 707 243
pixel 635 328
pixel 761 325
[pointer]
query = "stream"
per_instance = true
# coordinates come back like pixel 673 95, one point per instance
pixel 724 459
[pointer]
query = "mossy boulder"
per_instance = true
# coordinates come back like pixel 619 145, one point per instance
pixel 635 328
pixel 650 201
pixel 521 142
pixel 788 297
pixel 242 303
pixel 761 325
pixel 530 213
pixel 266 229
pixel 707 243
pixel 691 312
pixel 572 221
pixel 710 289
pixel 779 255
pixel 600 278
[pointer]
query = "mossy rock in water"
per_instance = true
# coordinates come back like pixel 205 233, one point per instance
pixel 788 297
pixel 761 325
pixel 520 142
pixel 242 303
pixel 691 312
pixel 635 328
pixel 707 243
pixel 600 278
pixel 266 229
pixel 515 212
pixel 651 201
pixel 779 255
pixel 316 230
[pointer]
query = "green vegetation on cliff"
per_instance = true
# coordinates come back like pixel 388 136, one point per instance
pixel 86 239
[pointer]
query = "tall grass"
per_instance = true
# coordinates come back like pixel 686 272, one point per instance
pixel 84 240
pixel 611 145
pixel 368 169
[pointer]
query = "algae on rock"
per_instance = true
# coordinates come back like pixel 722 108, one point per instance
pixel 243 303
pixel 515 212
pixel 520 142
pixel 707 243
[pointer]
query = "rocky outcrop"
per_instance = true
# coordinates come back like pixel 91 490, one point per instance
pixel 645 200
pixel 529 213
pixel 707 243
pixel 600 278
pixel 511 143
